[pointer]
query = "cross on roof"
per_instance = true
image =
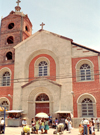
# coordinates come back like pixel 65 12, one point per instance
pixel 18 1
pixel 42 24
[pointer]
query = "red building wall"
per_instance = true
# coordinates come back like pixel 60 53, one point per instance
pixel 5 90
pixel 91 87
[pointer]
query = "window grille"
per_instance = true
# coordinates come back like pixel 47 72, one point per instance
pixel 43 68
pixel 6 79
pixel 85 72
pixel 42 97
pixel 87 108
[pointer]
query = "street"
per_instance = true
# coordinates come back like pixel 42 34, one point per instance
pixel 17 131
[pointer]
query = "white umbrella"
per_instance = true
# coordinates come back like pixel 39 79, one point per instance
pixel 41 115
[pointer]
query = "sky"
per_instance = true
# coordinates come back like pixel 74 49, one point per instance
pixel 75 19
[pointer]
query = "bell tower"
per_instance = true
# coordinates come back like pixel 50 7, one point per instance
pixel 15 28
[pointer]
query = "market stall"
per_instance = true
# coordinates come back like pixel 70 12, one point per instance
pixel 14 118
pixel 62 115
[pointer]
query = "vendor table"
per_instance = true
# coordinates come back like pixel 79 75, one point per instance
pixel 14 122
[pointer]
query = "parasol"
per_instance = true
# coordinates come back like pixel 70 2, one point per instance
pixel 41 115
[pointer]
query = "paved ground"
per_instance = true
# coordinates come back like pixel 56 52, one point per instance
pixel 17 131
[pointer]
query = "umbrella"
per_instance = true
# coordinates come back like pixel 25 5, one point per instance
pixel 41 115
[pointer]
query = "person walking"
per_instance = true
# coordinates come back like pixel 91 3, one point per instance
pixel 97 123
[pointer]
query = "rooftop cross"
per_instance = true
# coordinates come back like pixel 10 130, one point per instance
pixel 42 24
pixel 18 1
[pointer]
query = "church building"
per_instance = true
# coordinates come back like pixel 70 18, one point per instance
pixel 46 72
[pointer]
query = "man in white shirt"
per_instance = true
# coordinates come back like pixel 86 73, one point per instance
pixel 2 121
pixel 24 122
pixel 85 123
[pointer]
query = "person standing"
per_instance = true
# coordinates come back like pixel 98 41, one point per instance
pixel 66 124
pixel 69 125
pixel 37 125
pixel 42 125
pixel 90 125
pixel 46 126
pixel 33 125
pixel 93 128
pixel 97 123
pixel 85 123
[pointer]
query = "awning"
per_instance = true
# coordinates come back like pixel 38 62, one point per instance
pixel 63 112
pixel 15 111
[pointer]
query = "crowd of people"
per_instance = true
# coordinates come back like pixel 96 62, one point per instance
pixel 38 124
pixel 43 124
pixel 87 127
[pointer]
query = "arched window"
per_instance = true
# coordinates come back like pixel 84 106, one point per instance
pixel 42 97
pixel 9 56
pixel 6 79
pixel 85 72
pixel 10 40
pixel 87 108
pixel 43 68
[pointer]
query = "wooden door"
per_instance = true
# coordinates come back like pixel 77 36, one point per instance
pixel 42 107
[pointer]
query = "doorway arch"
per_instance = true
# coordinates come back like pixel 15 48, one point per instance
pixel 42 103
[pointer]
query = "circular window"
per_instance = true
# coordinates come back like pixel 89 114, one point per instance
pixel 11 25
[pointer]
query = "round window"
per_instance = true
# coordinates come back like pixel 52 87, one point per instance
pixel 11 25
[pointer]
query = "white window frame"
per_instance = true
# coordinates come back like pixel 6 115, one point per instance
pixel 43 68
pixel 85 72
pixel 36 66
pixel 87 108
pixel 78 70
pixel 6 79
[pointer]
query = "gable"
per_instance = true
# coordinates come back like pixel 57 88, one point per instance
pixel 82 51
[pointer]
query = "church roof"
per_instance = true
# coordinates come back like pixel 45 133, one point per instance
pixel 84 47
pixel 57 35
pixel 42 30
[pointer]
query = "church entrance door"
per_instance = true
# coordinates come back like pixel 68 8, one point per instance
pixel 42 103
pixel 42 107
